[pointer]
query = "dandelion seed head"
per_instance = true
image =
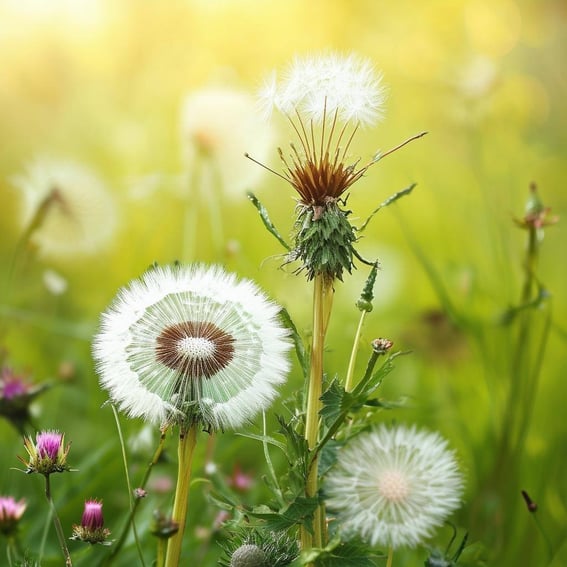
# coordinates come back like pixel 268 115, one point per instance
pixel 317 87
pixel 79 214
pixel 191 339
pixel 394 486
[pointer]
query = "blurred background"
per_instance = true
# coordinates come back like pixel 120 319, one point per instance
pixel 151 105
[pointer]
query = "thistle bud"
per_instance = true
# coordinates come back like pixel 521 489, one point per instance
pixel 91 529
pixel 48 454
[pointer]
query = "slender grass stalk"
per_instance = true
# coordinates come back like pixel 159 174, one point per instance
pixel 128 484
pixel 390 560
pixel 57 523
pixel 349 382
pixel 273 475
pixel 120 542
pixel 187 442
pixel 322 304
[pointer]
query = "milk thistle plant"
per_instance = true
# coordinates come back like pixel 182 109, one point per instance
pixel 326 99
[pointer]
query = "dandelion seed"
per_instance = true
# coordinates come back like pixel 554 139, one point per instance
pixel 192 343
pixel 67 206
pixel 393 486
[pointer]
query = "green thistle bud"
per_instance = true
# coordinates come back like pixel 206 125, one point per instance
pixel 249 555
pixel 324 241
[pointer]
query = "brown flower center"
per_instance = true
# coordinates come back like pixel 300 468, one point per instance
pixel 195 349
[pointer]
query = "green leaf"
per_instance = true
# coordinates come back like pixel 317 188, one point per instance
pixel 264 438
pixel 266 220
pixel 300 351
pixel 391 199
pixel 299 512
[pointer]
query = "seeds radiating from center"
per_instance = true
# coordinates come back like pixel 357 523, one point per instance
pixel 197 349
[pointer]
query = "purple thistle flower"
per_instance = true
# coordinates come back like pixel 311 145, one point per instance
pixel 92 530
pixel 48 444
pixel 48 454
pixel 10 514
pixel 16 395
pixel 92 516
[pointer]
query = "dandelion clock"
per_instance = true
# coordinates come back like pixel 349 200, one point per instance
pixel 192 343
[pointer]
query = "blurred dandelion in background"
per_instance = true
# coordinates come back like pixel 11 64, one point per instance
pixel 217 126
pixel 192 343
pixel 66 210
pixel 392 486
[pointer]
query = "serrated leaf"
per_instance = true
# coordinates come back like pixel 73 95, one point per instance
pixel 299 512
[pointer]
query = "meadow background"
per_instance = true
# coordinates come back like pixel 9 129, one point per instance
pixel 103 82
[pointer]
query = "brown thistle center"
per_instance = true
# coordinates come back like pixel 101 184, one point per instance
pixel 196 349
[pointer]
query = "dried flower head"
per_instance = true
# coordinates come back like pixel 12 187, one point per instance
pixel 188 343
pixel 65 207
pixel 218 124
pixel 393 485
pixel 48 454
pixel 91 529
pixel 326 99
pixel 10 514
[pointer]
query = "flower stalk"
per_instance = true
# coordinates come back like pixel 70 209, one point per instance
pixel 322 304
pixel 186 447
pixel 57 523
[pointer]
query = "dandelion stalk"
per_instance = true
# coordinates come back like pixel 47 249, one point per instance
pixel 322 303
pixel 187 442
pixel 390 560
pixel 57 523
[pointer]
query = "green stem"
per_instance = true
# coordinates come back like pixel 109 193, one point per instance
pixel 57 523
pixel 350 372
pixel 273 475
pixel 120 542
pixel 160 555
pixel 128 485
pixel 322 303
pixel 390 560
pixel 187 442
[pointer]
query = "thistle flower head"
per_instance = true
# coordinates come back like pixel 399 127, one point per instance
pixel 325 99
pixel 48 454
pixel 91 529
pixel 192 343
pixel 256 548
pixel 16 395
pixel 393 486
pixel 65 207
pixel 10 514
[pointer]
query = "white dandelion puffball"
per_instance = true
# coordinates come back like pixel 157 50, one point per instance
pixel 318 86
pixel 78 214
pixel 192 341
pixel 392 486
pixel 218 125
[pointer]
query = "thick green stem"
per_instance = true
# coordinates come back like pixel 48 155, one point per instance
pixel 322 303
pixel 187 442
pixel 57 523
